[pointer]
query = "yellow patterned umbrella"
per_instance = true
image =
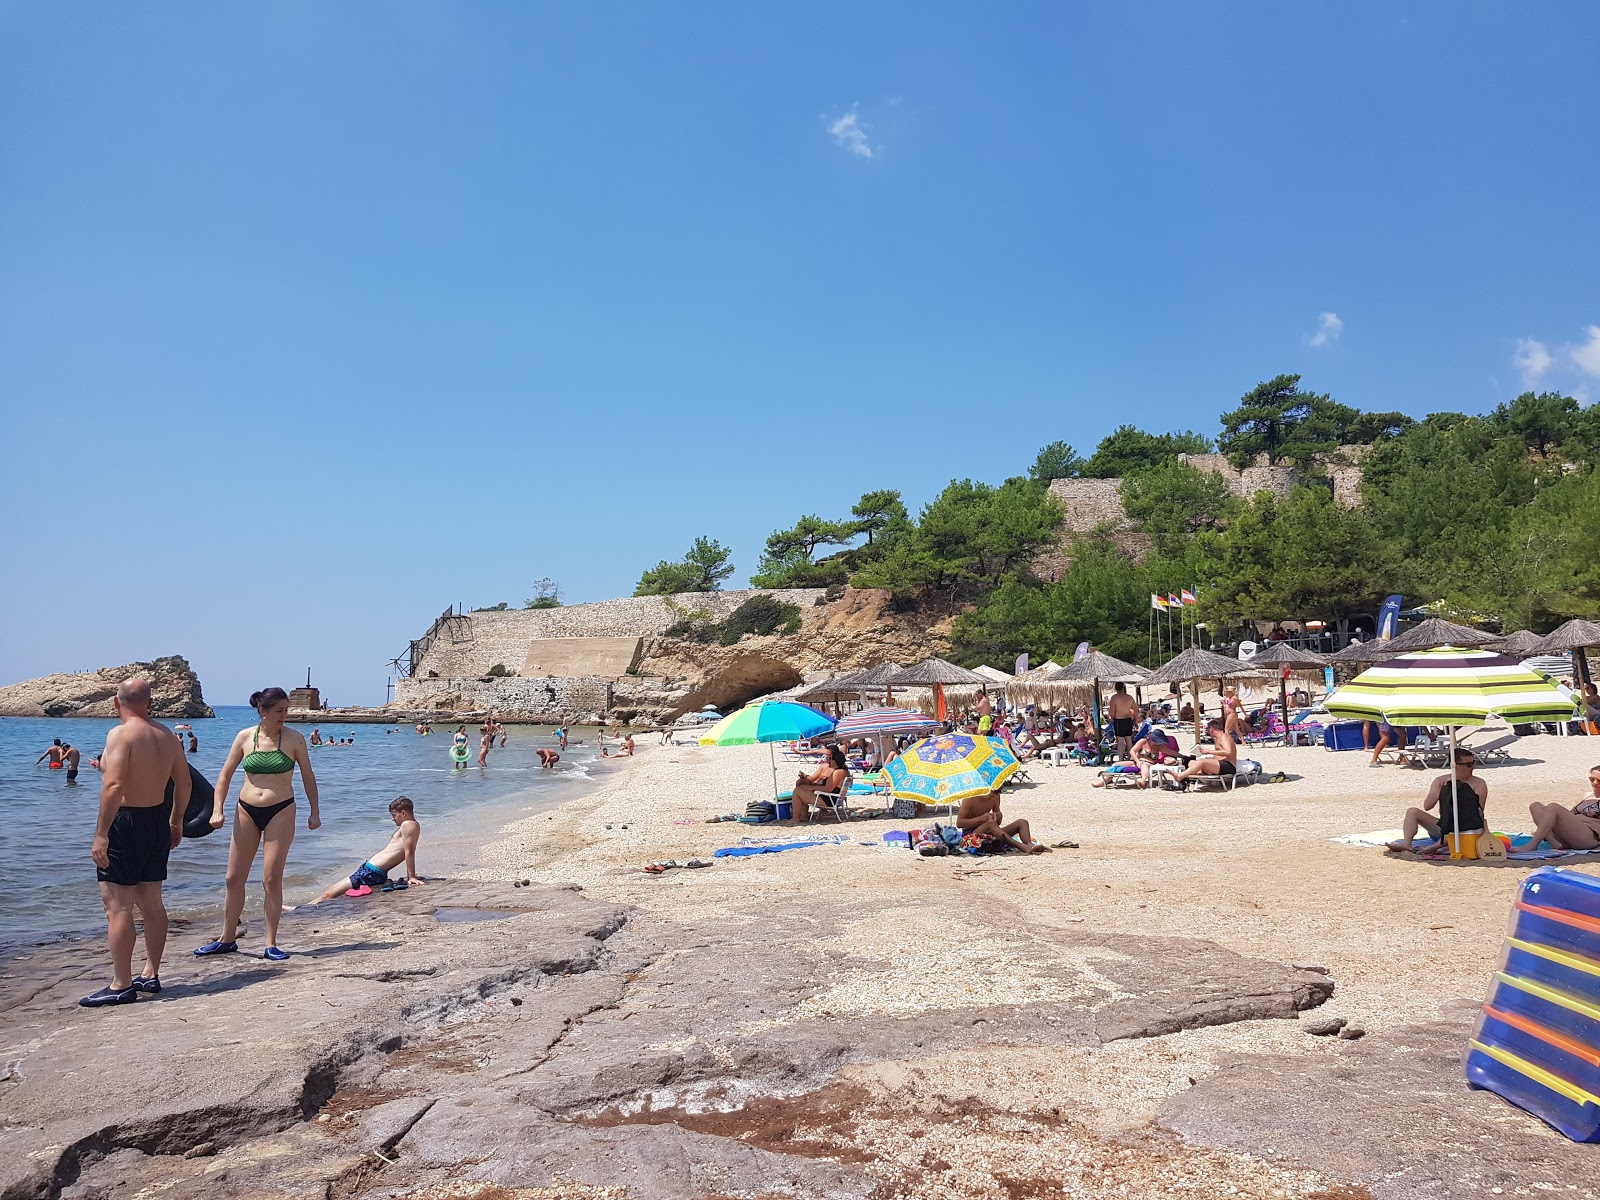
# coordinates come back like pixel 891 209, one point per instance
pixel 949 767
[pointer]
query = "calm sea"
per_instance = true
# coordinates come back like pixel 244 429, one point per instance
pixel 47 884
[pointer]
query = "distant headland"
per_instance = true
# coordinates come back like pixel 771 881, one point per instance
pixel 173 684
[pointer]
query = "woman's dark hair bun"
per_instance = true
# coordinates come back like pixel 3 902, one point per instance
pixel 268 698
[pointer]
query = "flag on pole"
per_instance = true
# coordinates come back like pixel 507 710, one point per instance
pixel 1188 597
pixel 1173 601
pixel 1157 601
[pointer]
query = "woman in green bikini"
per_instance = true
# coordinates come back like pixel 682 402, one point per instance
pixel 265 813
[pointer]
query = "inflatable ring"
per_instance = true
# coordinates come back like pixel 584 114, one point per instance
pixel 459 753
pixel 202 798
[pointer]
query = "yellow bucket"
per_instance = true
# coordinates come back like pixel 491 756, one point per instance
pixel 1462 845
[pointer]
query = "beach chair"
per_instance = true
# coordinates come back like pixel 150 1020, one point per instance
pixel 1493 752
pixel 1116 778
pixel 1430 748
pixel 1304 729
pixel 1273 733
pixel 1248 772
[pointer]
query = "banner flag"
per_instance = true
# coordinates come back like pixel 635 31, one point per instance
pixel 1188 597
pixel 1157 601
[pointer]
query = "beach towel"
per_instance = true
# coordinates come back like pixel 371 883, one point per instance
pixel 1522 848
pixel 767 848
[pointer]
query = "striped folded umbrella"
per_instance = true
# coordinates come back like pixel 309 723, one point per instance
pixel 884 720
pixel 951 767
pixel 1450 686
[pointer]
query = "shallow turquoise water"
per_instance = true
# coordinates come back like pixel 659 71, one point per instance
pixel 47 884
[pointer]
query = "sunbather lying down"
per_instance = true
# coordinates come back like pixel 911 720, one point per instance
pixel 981 815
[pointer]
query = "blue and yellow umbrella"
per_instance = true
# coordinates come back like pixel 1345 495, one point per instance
pixel 949 767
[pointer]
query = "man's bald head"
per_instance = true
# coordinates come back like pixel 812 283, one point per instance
pixel 134 694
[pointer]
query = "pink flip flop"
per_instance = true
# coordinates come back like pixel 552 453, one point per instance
pixel 363 890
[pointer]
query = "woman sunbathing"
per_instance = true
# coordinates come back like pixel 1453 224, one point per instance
pixel 832 777
pixel 1575 828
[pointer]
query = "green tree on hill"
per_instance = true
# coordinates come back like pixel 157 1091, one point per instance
pixel 701 570
pixel 546 594
pixel 1127 450
pixel 881 513
pixel 1056 461
pixel 1173 502
pixel 1278 420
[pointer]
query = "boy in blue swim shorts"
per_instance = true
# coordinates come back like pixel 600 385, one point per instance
pixel 373 875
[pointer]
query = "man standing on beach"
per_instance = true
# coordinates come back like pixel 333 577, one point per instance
pixel 1121 709
pixel 137 829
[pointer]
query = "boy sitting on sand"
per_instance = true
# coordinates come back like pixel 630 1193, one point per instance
pixel 375 871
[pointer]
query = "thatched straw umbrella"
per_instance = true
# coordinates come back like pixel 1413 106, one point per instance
pixel 1521 644
pixel 1575 637
pixel 1281 654
pixel 937 674
pixel 1195 664
pixel 1096 668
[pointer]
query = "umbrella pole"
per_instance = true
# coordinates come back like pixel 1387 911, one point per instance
pixel 1455 799
pixel 1283 695
pixel 1194 698
pixel 772 757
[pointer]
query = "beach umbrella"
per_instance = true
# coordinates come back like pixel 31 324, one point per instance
pixel 937 674
pixel 1451 686
pixel 1195 664
pixel 1574 637
pixel 884 720
pixel 768 721
pixel 1435 632
pixel 1096 668
pixel 1522 644
pixel 949 767
pixel 1282 655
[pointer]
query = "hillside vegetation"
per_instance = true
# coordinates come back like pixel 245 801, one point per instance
pixel 1497 516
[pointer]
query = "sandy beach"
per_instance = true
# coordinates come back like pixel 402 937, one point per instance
pixel 1120 1019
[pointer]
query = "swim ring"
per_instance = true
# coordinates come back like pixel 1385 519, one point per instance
pixel 459 755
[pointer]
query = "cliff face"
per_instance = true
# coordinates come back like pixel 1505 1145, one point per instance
pixel 174 686
pixel 857 630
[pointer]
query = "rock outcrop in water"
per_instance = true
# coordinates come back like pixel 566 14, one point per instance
pixel 173 685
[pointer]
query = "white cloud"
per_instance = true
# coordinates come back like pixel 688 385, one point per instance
pixel 1533 359
pixel 849 131
pixel 1329 327
pixel 1586 357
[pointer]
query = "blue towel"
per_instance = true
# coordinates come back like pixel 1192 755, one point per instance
pixel 770 848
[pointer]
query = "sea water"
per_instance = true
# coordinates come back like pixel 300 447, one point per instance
pixel 47 883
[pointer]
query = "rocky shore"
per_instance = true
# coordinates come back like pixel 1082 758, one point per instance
pixel 1133 1018
pixel 173 684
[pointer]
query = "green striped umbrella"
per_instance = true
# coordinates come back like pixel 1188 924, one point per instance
pixel 1454 687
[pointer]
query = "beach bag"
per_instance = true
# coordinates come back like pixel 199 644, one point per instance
pixel 903 810
pixel 758 812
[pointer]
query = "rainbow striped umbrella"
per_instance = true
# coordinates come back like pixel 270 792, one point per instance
pixel 950 767
pixel 884 720
pixel 1454 687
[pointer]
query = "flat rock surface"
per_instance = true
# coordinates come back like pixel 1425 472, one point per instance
pixel 1393 1112
pixel 545 1037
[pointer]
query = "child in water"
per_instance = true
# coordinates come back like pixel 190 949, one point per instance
pixel 374 873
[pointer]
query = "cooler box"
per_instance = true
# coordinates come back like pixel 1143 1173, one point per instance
pixel 1537 1043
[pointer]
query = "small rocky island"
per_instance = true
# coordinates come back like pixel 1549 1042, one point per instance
pixel 173 684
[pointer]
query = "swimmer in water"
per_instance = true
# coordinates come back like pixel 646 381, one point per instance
pixel 54 754
pixel 548 758
pixel 71 756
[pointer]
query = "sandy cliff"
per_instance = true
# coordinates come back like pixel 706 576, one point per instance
pixel 88 694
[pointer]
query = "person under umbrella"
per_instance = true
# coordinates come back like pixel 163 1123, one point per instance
pixel 1464 814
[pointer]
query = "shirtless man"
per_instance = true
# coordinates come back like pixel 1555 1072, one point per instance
pixel 71 756
pixel 374 872
pixel 54 754
pixel 981 815
pixel 1121 709
pixel 1221 759
pixel 136 830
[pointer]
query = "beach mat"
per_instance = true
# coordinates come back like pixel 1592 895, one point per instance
pixel 1522 848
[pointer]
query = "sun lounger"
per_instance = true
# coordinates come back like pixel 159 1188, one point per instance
pixel 1493 752
pixel 1249 771
pixel 1120 779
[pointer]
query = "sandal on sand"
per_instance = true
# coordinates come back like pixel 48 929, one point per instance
pixel 363 890
pixel 697 862
pixel 216 948
pixel 1065 844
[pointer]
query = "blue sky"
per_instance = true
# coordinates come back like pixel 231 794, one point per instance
pixel 316 318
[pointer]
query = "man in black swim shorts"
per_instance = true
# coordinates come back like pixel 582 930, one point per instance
pixel 137 828
pixel 71 755
pixel 1121 709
